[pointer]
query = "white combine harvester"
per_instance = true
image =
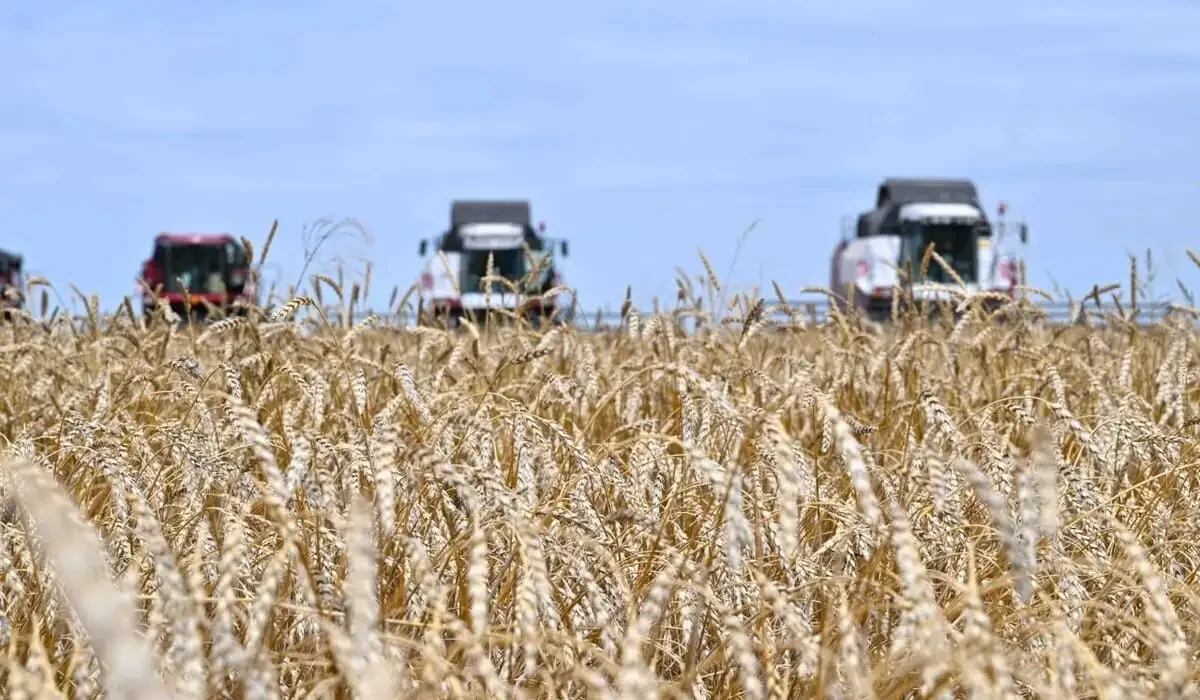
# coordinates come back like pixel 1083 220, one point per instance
pixel 452 277
pixel 909 215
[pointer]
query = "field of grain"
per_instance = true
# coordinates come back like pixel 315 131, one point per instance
pixel 290 507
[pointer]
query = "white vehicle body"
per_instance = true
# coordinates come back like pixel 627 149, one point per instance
pixel 451 278
pixel 865 271
pixel 447 277
pixel 442 285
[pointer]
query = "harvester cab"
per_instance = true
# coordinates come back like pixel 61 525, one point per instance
pixel 12 281
pixel 523 262
pixel 910 215
pixel 190 272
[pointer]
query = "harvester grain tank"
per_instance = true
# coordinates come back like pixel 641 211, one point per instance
pixel 196 270
pixel 12 281
pixel 884 254
pixel 503 229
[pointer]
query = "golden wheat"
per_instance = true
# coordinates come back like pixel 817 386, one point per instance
pixel 292 506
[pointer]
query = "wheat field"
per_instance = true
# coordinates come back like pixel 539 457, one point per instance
pixel 293 506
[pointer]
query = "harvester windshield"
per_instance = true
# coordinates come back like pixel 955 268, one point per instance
pixel 203 268
pixel 957 244
pixel 9 269
pixel 10 280
pixel 508 263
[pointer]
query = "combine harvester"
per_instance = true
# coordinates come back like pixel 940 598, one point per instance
pixel 504 229
pixel 194 271
pixel 909 215
pixel 12 282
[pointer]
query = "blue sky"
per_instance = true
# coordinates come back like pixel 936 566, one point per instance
pixel 641 130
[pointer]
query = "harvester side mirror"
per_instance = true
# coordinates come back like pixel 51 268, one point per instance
pixel 1024 234
pixel 564 248
pixel 422 247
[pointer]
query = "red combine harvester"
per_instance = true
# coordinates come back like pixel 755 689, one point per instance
pixel 196 270
pixel 11 281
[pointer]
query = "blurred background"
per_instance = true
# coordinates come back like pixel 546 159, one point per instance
pixel 640 131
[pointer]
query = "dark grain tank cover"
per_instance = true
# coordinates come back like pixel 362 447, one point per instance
pixel 490 212
pixel 906 190
pixel 895 192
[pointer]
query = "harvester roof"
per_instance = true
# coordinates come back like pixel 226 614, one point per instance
pixel 492 211
pixel 906 190
pixel 896 192
pixel 195 238
pixel 8 259
pixel 471 212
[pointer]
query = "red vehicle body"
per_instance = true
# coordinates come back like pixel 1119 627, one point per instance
pixel 192 269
